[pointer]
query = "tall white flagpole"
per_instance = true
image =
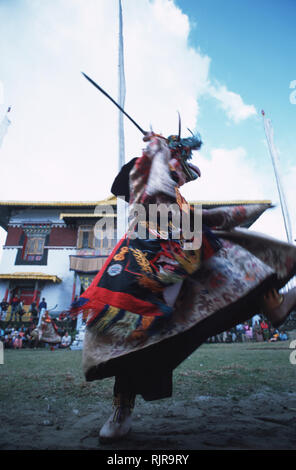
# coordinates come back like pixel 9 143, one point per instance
pixel 121 204
pixel 275 162
pixel 5 123
pixel 121 89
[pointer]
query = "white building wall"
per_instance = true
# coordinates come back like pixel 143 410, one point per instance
pixel 6 267
pixel 59 294
pixel 3 286
pixel 7 263
pixel 58 262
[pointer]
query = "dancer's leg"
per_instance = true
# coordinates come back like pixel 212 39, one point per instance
pixel 278 306
pixel 118 424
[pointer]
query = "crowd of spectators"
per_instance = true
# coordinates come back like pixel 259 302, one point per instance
pixel 16 336
pixel 17 309
pixel 257 329
pixel 23 337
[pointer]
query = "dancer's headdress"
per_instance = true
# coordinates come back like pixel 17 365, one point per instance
pixel 181 148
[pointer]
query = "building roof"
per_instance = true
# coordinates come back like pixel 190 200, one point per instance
pixel 112 200
pixel 6 207
pixel 35 276
pixel 235 202
pixel 16 204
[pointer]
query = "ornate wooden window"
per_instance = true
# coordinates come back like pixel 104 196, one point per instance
pixel 34 247
pixel 90 239
pixel 34 239
pixel 85 238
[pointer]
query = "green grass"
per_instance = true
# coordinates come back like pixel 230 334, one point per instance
pixel 30 376
pixel 235 370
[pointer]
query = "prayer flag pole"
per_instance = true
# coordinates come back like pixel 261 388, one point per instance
pixel 121 91
pixel 5 123
pixel 275 162
pixel 121 204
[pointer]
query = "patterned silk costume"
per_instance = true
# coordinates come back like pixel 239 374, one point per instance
pixel 47 331
pixel 132 330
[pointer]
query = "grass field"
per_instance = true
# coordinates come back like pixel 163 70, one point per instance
pixel 215 369
pixel 42 388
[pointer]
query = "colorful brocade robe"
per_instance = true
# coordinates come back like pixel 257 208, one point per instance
pixel 134 276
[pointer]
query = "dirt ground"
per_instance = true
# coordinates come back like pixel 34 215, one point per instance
pixel 261 421
pixel 245 401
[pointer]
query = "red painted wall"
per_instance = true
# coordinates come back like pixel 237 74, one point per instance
pixel 63 236
pixel 59 236
pixel 13 236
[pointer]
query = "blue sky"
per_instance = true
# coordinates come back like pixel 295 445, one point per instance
pixel 218 63
pixel 252 48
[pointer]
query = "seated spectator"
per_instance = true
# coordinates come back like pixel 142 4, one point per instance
pixel 3 308
pixel 23 331
pixel 256 318
pixel 20 310
pixel 239 331
pixel 219 338
pixel 66 340
pixel 13 334
pixel 8 341
pixel 258 336
pixel 233 335
pixel 34 312
pixel 8 329
pixel 33 337
pixel 283 336
pixel 248 332
pixel 14 307
pixel 274 336
pixel 228 338
pixel 61 331
pixel 265 330
pixel 30 328
pixel 17 341
pixel 224 336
